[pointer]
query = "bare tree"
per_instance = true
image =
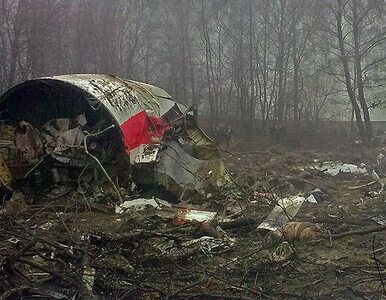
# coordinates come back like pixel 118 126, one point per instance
pixel 257 64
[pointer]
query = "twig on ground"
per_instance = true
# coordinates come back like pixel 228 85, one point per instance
pixel 357 232
pixel 362 185
pixel 378 268
pixel 175 293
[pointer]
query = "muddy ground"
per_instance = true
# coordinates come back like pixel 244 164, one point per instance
pixel 73 247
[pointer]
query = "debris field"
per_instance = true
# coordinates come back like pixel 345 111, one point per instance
pixel 152 211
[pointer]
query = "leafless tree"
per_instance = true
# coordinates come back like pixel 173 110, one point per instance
pixel 257 64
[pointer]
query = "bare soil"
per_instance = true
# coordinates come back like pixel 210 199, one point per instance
pixel 50 245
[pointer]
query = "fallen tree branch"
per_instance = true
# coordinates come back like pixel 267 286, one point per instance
pixel 99 163
pixel 21 291
pixel 44 269
pixel 335 221
pixel 356 232
pixel 238 287
pixel 362 185
pixel 378 267
pixel 204 295
pixel 178 292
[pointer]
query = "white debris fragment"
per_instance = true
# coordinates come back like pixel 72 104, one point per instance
pixel 141 204
pixel 311 199
pixel 333 168
pixel 136 205
pixel 199 215
pixel 283 212
pixel 210 244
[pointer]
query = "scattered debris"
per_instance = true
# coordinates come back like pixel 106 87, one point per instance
pixel 211 245
pixel 316 196
pixel 334 168
pixel 140 204
pixel 118 194
pixel 136 205
pixel 379 180
pixel 195 215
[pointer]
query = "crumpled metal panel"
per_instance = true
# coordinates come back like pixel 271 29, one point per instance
pixel 190 172
pixel 122 98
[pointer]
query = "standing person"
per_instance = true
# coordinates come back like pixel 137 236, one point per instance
pixel 228 135
pixel 219 134
pixel 223 135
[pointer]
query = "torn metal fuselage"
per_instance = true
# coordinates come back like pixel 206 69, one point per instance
pixel 158 137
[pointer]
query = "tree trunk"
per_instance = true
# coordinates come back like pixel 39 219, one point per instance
pixel 347 76
pixel 358 71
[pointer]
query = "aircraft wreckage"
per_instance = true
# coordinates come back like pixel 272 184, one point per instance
pixel 65 131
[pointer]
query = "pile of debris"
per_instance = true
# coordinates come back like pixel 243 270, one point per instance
pixel 111 190
pixel 146 247
pixel 151 141
pixel 108 144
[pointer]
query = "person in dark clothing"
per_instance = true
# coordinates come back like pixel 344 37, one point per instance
pixel 223 135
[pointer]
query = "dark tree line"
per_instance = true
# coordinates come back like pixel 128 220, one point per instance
pixel 277 61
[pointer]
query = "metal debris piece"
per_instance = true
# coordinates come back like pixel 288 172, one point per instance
pixel 59 137
pixel 178 155
pixel 196 215
pixel 145 153
pixel 284 211
pixel 136 205
pixel 316 196
pixel 209 245
pixel 333 168
pixel 140 204
pixel 178 170
pixel 186 215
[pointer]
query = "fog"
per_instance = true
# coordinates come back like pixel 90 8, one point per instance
pixel 264 67
pixel 192 149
